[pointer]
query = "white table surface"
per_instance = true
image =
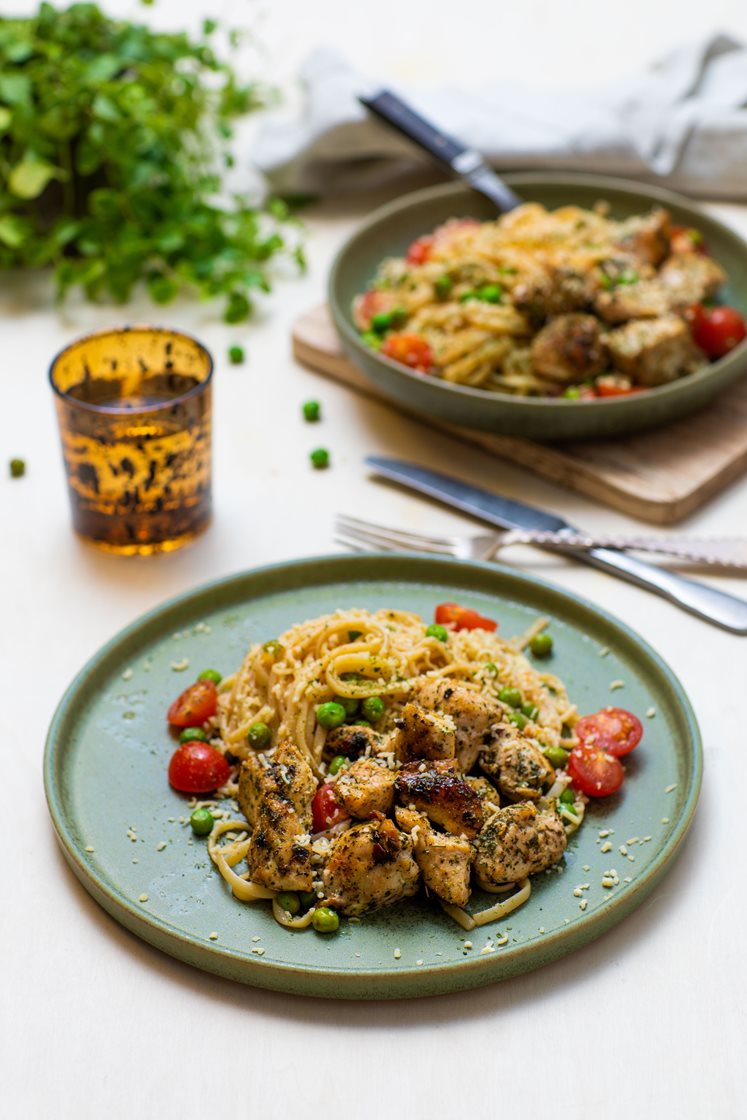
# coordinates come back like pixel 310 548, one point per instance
pixel 648 1021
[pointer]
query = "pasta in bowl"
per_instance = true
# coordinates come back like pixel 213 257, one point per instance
pixel 562 319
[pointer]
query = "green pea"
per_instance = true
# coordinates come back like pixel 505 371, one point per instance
pixel 371 339
pixel 307 899
pixel 325 920
pixel 289 901
pixel 372 708
pixel 17 468
pixel 436 630
pixel 312 411
pixel 442 286
pixel 530 710
pixel 192 734
pixel 471 294
pixel 389 320
pixel 568 796
pixel 571 393
pixel 490 293
pixel 330 715
pixel 350 704
pixel 236 355
pixel 337 764
pixel 259 736
pixel 541 645
pixel 210 675
pixel 202 822
pixel 510 696
pixel 491 668
pixel 519 719
pixel 556 756
pixel 274 649
pixel 361 723
pixel 319 458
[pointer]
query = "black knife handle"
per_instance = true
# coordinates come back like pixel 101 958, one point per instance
pixel 416 128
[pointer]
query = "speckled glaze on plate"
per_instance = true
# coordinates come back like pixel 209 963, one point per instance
pixel 108 749
pixel 388 231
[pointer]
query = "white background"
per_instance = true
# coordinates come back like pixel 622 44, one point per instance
pixel 647 1022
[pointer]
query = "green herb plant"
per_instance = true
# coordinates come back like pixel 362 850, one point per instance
pixel 114 146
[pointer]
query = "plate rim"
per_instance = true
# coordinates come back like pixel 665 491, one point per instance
pixel 354 982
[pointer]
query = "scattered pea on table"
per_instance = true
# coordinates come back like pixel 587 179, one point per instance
pixel 312 411
pixel 17 468
pixel 236 355
pixel 541 645
pixel 319 458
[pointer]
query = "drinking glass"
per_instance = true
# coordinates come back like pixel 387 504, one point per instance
pixel 134 409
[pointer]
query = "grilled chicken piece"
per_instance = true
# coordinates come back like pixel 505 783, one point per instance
pixel 473 714
pixel 442 795
pixel 691 277
pixel 353 741
pixel 648 299
pixel 486 791
pixel 568 348
pixel 646 237
pixel 517 765
pixel 365 788
pixel 518 841
pixel 553 292
pixel 425 734
pixel 275 797
pixel 444 860
pixel 653 351
pixel 369 866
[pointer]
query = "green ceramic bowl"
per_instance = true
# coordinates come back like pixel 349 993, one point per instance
pixel 122 829
pixel 389 231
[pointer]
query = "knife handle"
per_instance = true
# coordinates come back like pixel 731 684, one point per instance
pixel 726 611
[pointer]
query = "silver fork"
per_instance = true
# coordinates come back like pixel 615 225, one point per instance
pixel 716 552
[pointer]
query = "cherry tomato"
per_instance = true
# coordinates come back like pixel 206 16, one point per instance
pixel 594 771
pixel 325 809
pixel 370 303
pixel 196 704
pixel 716 330
pixel 197 768
pixel 613 386
pixel 420 250
pixel 410 349
pixel 613 730
pixel 462 618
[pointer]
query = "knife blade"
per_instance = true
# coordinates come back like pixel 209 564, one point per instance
pixel 718 607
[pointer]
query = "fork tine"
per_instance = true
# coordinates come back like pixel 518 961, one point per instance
pixel 420 542
pixel 375 538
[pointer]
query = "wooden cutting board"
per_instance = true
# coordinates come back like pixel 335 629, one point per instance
pixel 661 476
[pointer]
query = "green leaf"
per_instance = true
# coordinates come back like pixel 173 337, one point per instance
pixel 15 89
pixel 29 177
pixel 13 230
pixel 5 118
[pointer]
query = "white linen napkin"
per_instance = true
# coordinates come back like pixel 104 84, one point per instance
pixel 682 122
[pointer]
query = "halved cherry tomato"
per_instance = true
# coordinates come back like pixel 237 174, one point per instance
pixel 370 303
pixel 196 704
pixel 462 618
pixel 197 767
pixel 716 330
pixel 326 810
pixel 594 771
pixel 613 730
pixel 410 349
pixel 420 250
pixel 613 386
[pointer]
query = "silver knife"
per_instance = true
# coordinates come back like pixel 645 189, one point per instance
pixel 726 611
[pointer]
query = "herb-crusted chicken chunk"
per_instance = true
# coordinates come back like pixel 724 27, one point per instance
pixel 653 351
pixel 369 866
pixel 425 734
pixel 518 841
pixel 569 348
pixel 474 714
pixel 444 860
pixel 365 788
pixel 275 797
pixel 517 765
pixel 442 794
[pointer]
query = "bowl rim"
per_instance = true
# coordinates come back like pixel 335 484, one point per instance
pixel 413 199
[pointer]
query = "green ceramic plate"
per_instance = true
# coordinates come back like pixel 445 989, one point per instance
pixel 118 820
pixel 388 232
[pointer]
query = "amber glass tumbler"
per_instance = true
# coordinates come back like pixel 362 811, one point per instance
pixel 134 408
